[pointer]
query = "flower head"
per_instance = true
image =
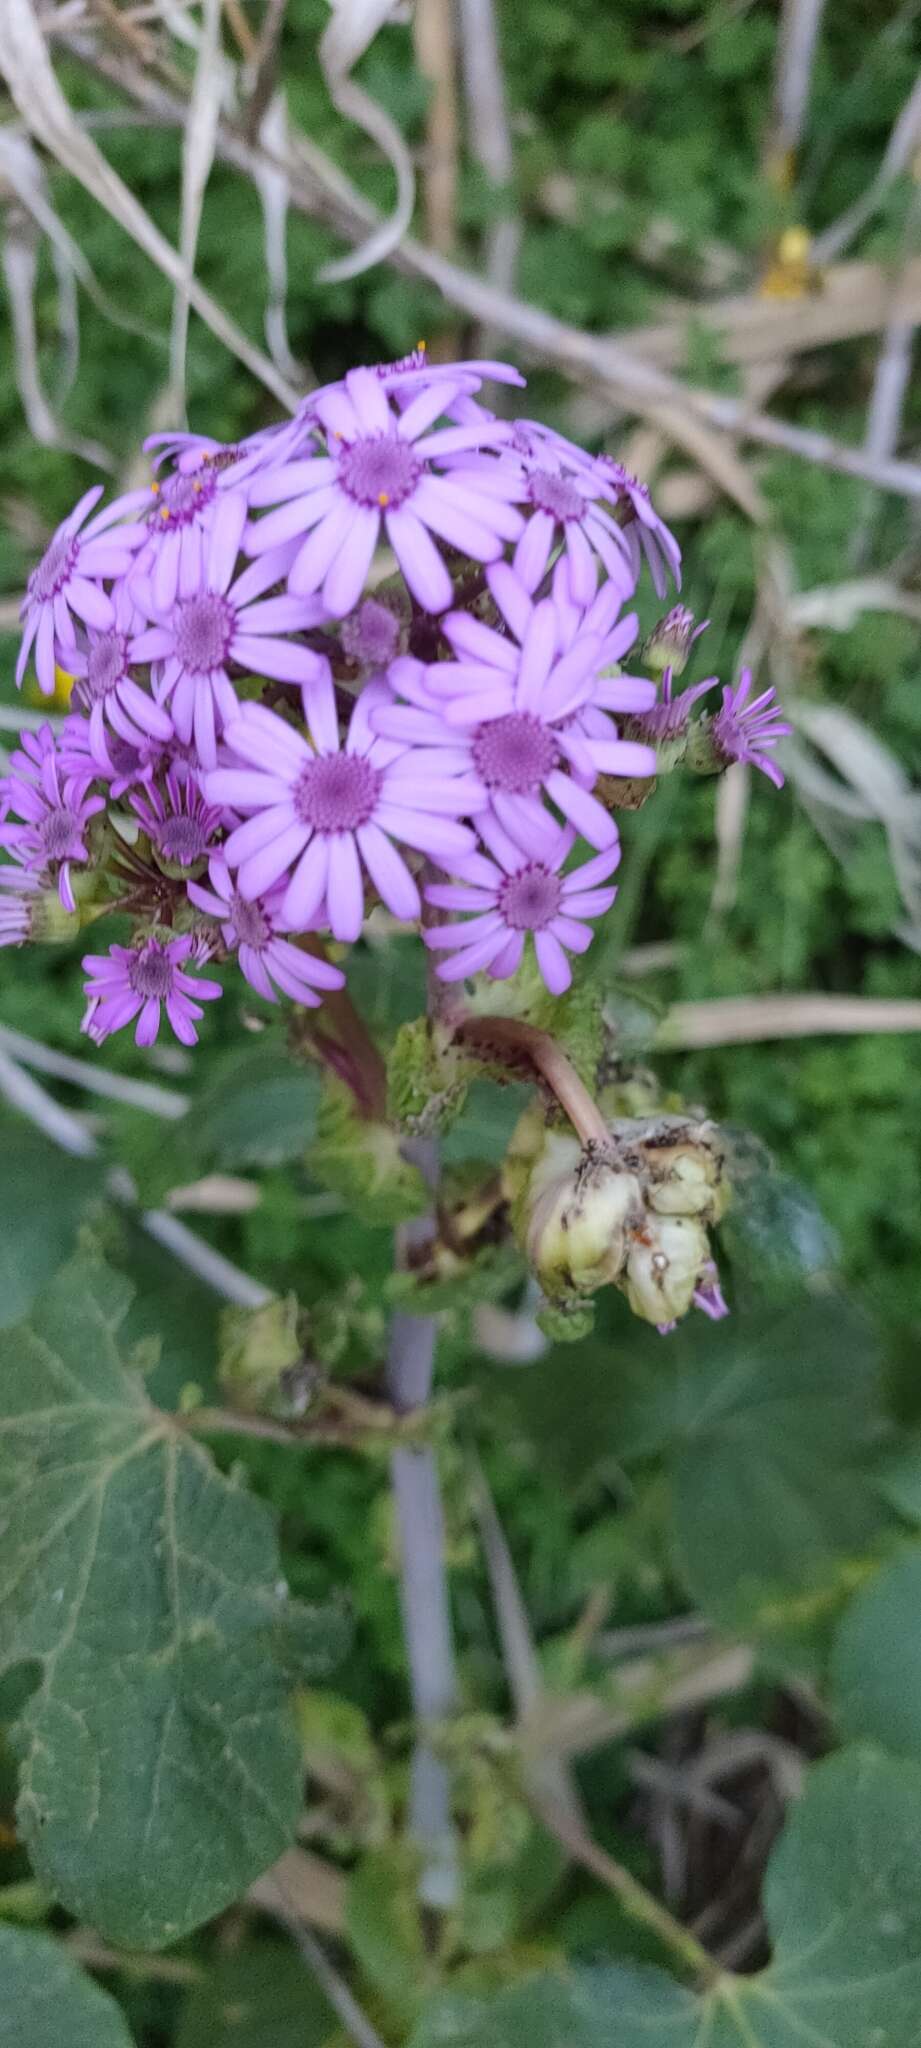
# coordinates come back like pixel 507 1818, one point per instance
pixel 253 931
pixel 177 820
pixel 50 813
pixel 81 557
pixel 105 689
pixel 219 622
pixel 643 530
pixel 669 718
pixel 513 895
pixel 514 707
pixel 566 492
pixel 384 469
pixel 136 981
pixel 743 731
pixel 324 811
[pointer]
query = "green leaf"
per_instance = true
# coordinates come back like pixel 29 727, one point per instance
pixel 769 1425
pixel 43 1200
pixel 160 1761
pixel 843 1907
pixel 876 1664
pixel 776 1511
pixel 263 1996
pixel 260 1112
pixel 48 2001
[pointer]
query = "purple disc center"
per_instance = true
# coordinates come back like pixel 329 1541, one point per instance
pixel 106 666
pixel 151 972
pixel 182 839
pixel 54 568
pixel 337 792
pixel 379 469
pixel 531 899
pixel 515 753
pixel 251 925
pixel 204 630
pixel 60 833
pixel 180 499
pixel 555 494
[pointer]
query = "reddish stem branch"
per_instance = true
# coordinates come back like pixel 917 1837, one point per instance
pixel 517 1045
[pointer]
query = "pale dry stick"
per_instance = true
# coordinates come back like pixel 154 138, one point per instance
pixel 66 1131
pixel 320 190
pixel 342 1999
pixel 800 23
pixel 423 1578
pixel 890 385
pixel 147 1095
pixel 16 717
pixel 433 36
pixel 85 1944
pixel 20 270
pixel 198 145
pixel 37 96
pixel 490 142
pixel 548 1776
pixel 637 1902
pixel 748 1020
pixel 904 139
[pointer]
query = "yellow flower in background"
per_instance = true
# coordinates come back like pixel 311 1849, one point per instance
pixel 61 695
pixel 790 271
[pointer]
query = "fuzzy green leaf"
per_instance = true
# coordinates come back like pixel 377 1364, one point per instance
pixel 160 1769
pixel 49 2002
pixel 843 1905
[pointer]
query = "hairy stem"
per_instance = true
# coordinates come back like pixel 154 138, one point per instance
pixel 519 1045
pixel 423 1579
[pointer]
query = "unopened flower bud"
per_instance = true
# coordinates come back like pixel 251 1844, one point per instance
pixel 258 1345
pixel 578 1227
pixel 664 1264
pixel 686 1167
pixel 670 642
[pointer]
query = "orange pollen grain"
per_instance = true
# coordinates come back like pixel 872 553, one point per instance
pixel 383 497
pixel 164 511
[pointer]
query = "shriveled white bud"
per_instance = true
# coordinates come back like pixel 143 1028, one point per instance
pixel 580 1224
pixel 663 1267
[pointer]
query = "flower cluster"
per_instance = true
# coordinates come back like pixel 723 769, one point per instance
pixel 380 654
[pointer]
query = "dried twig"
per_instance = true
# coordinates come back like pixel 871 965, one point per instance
pixel 903 141
pixel 66 1131
pixel 490 140
pixel 198 144
pixel 355 2021
pixel 147 1095
pixel 433 31
pixel 800 23
pixel 320 189
pixel 744 1020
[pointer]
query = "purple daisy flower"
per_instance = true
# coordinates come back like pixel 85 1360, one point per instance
pixel 513 895
pixel 568 495
pixel 741 731
pixel 106 690
pixel 134 981
pixel 642 529
pixel 69 578
pixel 324 812
pixel 668 719
pixel 252 930
pixel 220 622
pixel 382 469
pixel 514 707
pixel 54 813
pixel 177 820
